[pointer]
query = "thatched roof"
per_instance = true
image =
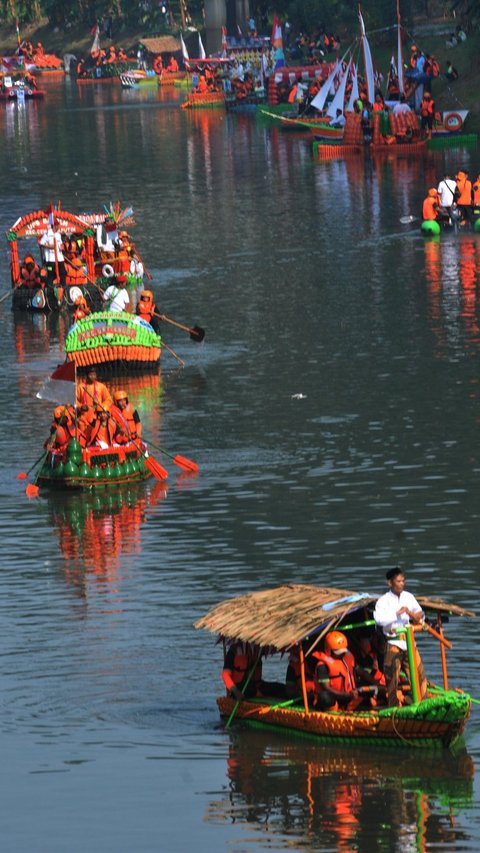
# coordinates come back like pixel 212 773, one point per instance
pixel 162 44
pixel 283 616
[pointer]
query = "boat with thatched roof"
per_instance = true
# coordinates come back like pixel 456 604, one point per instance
pixel 297 617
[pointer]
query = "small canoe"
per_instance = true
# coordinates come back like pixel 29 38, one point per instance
pixel 297 616
pixel 115 343
pixel 93 467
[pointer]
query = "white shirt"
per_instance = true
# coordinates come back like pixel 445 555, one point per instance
pixel 385 614
pixel 338 121
pixel 401 107
pixel 48 241
pixel 106 239
pixel 446 190
pixel 119 297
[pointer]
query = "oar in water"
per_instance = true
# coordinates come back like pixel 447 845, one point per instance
pixel 196 333
pixel 405 220
pixel 7 294
pixel 181 461
pixel 158 471
pixel 172 352
pixel 22 475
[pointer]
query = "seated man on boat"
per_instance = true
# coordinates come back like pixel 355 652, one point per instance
pixel 105 430
pixel 61 431
pixel 394 611
pixel 91 392
pixel 242 674
pixel 431 208
pixel 338 120
pixel 126 417
pixel 336 686
pixel 30 272
pixel 293 678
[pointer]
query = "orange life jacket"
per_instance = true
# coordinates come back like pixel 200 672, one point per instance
pixel 125 419
pixel 464 187
pixel 103 433
pixel 427 108
pixel 145 309
pixel 428 209
pixel 340 670
pixel 93 394
pixel 294 663
pixel 476 192
pixel 243 661
pixel 75 274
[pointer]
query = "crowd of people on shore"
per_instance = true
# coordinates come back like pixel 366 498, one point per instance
pixel 455 201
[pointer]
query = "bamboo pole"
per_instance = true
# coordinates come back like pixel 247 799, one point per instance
pixel 412 664
pixel 302 677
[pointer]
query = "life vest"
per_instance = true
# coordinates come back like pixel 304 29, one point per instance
pixel 125 419
pixel 75 274
pixel 93 394
pixel 101 433
pixel 30 277
pixel 340 670
pixel 476 192
pixel 427 108
pixel 243 661
pixel 293 94
pixel 428 210
pixel 294 663
pixel 145 309
pixel 464 187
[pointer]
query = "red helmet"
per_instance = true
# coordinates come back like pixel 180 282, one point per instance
pixel 336 642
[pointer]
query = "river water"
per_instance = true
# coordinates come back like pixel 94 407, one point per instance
pixel 306 283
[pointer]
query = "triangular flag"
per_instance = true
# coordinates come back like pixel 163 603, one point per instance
pixel 201 49
pixel 60 386
pixel 96 41
pixel 224 42
pixel 184 49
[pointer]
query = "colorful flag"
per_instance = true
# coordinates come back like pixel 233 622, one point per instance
pixel 60 386
pixel 277 43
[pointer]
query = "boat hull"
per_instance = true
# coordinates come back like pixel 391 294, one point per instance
pixel 114 343
pixel 94 468
pixel 438 720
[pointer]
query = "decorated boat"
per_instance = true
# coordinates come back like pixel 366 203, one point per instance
pixel 93 467
pixel 115 343
pixel 137 77
pixel 296 617
pixel 43 280
pixel 19 86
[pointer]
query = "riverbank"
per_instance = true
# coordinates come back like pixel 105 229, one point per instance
pixel 461 94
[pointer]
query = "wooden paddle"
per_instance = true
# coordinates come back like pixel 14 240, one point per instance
pixel 197 334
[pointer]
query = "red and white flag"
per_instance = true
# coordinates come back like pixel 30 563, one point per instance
pixel 224 42
pixel 60 386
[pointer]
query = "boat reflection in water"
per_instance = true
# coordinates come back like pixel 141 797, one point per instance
pixel 307 797
pixel 96 528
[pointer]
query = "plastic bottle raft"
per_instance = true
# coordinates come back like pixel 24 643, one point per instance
pixel 114 343
pixel 93 467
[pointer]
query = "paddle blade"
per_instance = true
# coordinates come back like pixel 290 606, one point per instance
pixel 155 468
pixel 21 475
pixel 197 334
pixel 186 464
pixel 32 491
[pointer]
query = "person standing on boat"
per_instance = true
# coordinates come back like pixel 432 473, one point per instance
pixel 116 294
pixel 395 610
pixel 91 393
pixel 52 256
pixel 446 192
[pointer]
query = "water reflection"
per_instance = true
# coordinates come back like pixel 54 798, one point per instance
pixel 96 528
pixel 306 796
pixel 452 264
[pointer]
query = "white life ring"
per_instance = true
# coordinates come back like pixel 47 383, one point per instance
pixel 453 122
pixel 108 271
pixel 74 294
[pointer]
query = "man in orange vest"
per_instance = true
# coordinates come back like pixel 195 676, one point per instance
pixel 104 430
pixel 335 675
pixel 240 660
pixel 91 392
pixel 126 417
pixel 427 113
